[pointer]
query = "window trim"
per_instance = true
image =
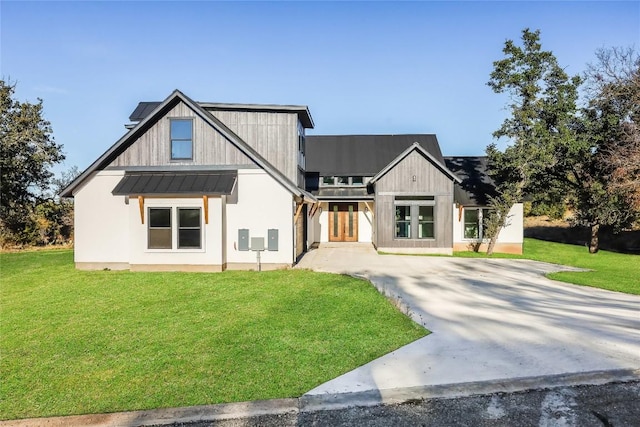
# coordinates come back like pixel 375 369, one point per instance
pixel 171 139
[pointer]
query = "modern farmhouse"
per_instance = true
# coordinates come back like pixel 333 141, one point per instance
pixel 202 186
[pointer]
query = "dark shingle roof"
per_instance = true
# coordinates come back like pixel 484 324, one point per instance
pixel 205 183
pixel 476 185
pixel 364 155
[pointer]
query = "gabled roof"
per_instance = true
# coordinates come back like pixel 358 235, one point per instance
pixel 159 111
pixel 415 147
pixel 362 155
pixel 476 185
pixel 145 108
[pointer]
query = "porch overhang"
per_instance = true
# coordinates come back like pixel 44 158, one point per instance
pixel 183 183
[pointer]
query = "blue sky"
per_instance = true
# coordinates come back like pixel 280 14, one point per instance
pixel 361 67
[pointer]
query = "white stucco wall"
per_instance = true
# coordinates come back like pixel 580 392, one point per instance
pixel 365 223
pixel 262 204
pixel 101 221
pixel 211 252
pixel 513 232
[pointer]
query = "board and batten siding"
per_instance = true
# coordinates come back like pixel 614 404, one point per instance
pixel 153 148
pixel 273 135
pixel 399 181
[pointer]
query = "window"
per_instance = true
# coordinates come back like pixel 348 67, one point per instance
pixel 357 180
pixel 343 181
pixel 159 228
pixel 403 222
pixel 188 228
pixel 328 180
pixel 181 139
pixel 475 223
pixel 415 217
pixel 426 228
pixel 187 235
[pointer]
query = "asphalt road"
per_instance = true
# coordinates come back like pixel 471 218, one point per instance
pixel 607 405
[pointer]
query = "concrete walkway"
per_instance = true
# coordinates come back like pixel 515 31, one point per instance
pixel 491 321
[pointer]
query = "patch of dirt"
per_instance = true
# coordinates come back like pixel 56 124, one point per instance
pixel 543 228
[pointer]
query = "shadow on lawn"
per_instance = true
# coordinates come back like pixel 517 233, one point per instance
pixel 627 242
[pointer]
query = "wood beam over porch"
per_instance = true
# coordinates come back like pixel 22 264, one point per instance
pixel 295 218
pixel 205 201
pixel 141 206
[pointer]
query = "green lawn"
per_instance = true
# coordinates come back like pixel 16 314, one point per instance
pixel 75 342
pixel 609 270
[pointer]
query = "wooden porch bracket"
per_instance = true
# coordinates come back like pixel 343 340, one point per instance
pixel 205 201
pixel 141 204
pixel 368 207
pixel 460 207
pixel 315 209
pixel 295 218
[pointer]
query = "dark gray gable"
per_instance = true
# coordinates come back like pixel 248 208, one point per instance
pixel 476 185
pixel 417 148
pixel 362 155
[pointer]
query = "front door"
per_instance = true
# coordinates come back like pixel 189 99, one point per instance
pixel 343 222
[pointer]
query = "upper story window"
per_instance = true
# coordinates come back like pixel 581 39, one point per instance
pixel 343 181
pixel 181 139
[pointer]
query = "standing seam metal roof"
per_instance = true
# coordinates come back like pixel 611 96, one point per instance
pixel 207 183
pixel 362 155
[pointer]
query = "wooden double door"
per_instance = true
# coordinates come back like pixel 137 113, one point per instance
pixel 343 222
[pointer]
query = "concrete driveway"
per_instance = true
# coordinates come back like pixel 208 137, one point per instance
pixel 491 321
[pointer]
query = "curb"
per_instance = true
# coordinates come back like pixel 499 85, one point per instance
pixel 331 401
pixel 327 402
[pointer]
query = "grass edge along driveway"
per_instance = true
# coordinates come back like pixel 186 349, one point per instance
pixel 607 270
pixel 74 342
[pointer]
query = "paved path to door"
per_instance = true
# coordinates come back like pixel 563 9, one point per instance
pixel 491 320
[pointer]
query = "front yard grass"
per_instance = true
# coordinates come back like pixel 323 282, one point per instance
pixel 74 342
pixel 608 270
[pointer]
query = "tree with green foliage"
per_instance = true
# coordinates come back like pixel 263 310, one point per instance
pixel 542 103
pixel 559 152
pixel 600 176
pixel 27 153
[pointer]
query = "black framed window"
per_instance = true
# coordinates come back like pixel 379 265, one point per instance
pixel 181 139
pixel 475 223
pixel 415 217
pixel 161 229
pixel 189 228
pixel 343 181
pixel 426 222
pixel 403 222
pixel 471 229
pixel 159 236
